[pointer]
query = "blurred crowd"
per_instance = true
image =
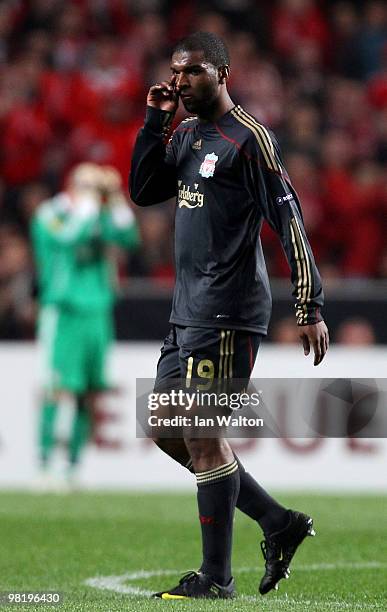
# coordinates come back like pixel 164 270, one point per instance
pixel 73 81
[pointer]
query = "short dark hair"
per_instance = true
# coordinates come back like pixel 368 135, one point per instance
pixel 214 48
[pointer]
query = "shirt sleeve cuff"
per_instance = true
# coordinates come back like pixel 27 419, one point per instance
pixel 308 315
pixel 158 121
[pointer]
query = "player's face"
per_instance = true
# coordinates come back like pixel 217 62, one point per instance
pixel 196 81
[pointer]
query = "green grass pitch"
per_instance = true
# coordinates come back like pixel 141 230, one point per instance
pixel 78 543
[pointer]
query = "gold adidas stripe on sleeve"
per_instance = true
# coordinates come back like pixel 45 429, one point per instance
pixel 303 253
pixel 307 260
pixel 300 256
pixel 262 135
pixel 298 263
pixel 304 281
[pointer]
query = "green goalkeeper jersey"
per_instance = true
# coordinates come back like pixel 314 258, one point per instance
pixel 71 251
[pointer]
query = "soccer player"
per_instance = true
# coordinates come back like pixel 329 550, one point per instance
pixel 71 236
pixel 226 171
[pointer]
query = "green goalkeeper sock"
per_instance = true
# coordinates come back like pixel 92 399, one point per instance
pixel 48 414
pixel 80 432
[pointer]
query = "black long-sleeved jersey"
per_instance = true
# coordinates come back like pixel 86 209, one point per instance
pixel 228 177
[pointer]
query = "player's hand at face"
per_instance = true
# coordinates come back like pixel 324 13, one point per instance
pixel 164 96
pixel 316 336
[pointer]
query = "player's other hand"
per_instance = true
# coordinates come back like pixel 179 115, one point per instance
pixel 316 336
pixel 164 96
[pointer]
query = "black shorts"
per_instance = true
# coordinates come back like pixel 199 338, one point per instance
pixel 207 355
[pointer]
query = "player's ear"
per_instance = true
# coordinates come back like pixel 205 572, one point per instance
pixel 224 74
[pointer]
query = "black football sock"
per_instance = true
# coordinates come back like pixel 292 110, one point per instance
pixel 254 501
pixel 218 491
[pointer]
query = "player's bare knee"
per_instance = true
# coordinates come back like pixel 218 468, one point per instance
pixel 206 453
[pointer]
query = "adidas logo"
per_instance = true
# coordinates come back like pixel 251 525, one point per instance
pixel 197 145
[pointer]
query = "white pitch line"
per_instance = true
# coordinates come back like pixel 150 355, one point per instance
pixel 119 584
pixel 116 583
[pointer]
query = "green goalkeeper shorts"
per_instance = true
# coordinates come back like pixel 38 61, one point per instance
pixel 75 349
